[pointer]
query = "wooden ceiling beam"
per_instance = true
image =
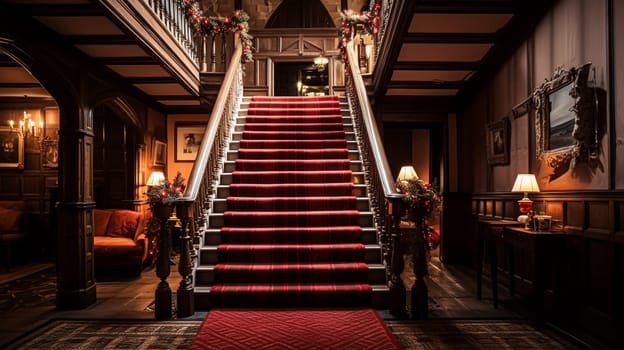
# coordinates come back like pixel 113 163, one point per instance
pixel 98 40
pixel 151 80
pixel 467 7
pixel 399 21
pixel 405 84
pixel 450 38
pixel 436 65
pixel 45 10
pixel 126 61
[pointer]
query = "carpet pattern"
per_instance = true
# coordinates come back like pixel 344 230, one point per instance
pixel 449 334
pixel 291 235
pixel 35 290
pixel 293 329
pixel 435 334
pixel 110 334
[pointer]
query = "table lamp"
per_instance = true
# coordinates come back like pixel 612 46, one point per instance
pixel 525 183
pixel 407 173
pixel 156 178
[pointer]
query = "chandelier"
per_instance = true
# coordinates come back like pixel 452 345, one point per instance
pixel 320 63
pixel 26 127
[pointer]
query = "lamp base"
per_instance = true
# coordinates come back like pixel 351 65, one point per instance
pixel 523 219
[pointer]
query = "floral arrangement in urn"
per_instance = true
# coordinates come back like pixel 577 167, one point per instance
pixel 167 192
pixel 420 197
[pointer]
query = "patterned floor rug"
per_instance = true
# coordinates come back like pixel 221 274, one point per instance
pixel 34 290
pixel 109 334
pixel 435 334
pixel 453 334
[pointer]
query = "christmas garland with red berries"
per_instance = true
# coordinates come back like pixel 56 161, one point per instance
pixel 213 25
pixel 368 19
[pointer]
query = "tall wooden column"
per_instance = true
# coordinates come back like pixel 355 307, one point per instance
pixel 75 269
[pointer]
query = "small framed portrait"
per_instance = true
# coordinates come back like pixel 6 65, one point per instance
pixel 11 149
pixel 497 138
pixel 159 153
pixel 188 138
pixel 49 153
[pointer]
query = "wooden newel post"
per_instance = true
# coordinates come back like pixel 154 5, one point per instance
pixel 185 293
pixel 163 308
pixel 420 293
pixel 397 289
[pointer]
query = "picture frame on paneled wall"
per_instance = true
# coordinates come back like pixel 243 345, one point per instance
pixel 49 153
pixel 11 148
pixel 159 153
pixel 187 139
pixel 497 141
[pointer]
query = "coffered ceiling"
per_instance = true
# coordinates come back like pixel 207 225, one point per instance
pixel 444 48
pixel 439 48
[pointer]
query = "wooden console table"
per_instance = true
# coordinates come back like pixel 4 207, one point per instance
pixel 543 249
pixel 489 233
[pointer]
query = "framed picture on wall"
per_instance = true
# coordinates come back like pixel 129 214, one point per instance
pixel 159 153
pixel 188 138
pixel 49 153
pixel 497 139
pixel 11 149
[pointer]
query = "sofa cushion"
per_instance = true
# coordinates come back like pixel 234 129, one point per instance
pixel 118 247
pixel 10 221
pixel 123 223
pixel 101 219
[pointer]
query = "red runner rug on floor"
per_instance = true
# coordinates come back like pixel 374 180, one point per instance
pixel 294 329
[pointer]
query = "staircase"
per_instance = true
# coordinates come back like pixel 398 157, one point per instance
pixel 291 225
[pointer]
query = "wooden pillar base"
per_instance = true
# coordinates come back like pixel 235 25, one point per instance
pixel 163 308
pixel 397 300
pixel 75 299
pixel 420 300
pixel 186 302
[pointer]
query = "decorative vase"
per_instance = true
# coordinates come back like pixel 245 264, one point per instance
pixel 162 211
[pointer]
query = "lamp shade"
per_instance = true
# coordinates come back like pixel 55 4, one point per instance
pixel 156 178
pixel 407 173
pixel 525 183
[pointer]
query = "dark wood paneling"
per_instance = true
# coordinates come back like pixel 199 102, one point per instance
pixel 600 264
pixel 592 260
pixel 458 239
pixel 598 216
pixel 574 214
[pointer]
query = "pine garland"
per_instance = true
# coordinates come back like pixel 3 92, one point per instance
pixel 368 19
pixel 213 25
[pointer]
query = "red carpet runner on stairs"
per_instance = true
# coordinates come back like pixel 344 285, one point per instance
pixel 292 234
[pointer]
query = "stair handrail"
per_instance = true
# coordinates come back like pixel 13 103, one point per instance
pixel 383 167
pixel 210 135
pixel 385 200
pixel 194 204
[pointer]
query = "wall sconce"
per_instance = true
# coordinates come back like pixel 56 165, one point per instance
pixel 156 178
pixel 407 173
pixel 525 183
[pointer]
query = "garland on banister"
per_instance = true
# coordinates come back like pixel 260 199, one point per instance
pixel 368 19
pixel 212 25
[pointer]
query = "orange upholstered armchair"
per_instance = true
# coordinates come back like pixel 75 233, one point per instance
pixel 119 238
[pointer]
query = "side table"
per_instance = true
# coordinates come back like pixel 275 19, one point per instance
pixel 489 232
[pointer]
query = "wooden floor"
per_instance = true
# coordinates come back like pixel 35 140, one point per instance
pixel 452 294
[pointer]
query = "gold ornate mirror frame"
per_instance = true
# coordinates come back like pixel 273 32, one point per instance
pixel 565 123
